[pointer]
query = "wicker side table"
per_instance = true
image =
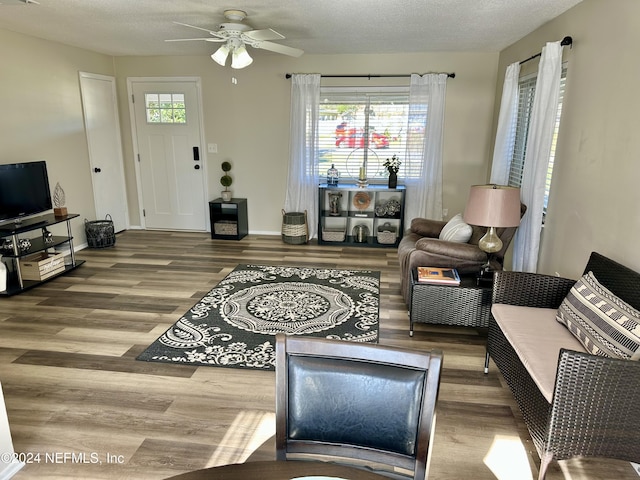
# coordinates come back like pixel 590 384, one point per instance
pixel 466 305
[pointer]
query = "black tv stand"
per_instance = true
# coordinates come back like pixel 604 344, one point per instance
pixel 19 223
pixel 13 232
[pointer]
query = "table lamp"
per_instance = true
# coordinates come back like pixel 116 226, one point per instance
pixel 493 206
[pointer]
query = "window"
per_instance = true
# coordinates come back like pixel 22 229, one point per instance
pixel 362 126
pixel 526 91
pixel 165 108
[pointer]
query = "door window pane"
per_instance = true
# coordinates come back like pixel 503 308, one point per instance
pixel 165 108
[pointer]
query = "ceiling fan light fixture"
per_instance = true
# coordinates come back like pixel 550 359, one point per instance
pixel 220 55
pixel 235 15
pixel 240 58
pixel 236 36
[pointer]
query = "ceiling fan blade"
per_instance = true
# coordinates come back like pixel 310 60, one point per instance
pixel 264 34
pixel 193 26
pixel 207 39
pixel 277 48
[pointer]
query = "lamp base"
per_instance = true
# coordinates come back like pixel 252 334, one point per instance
pixel 484 278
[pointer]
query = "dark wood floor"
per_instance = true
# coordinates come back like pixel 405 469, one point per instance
pixel 72 384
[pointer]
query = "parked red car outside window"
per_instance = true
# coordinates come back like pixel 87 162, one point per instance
pixel 354 137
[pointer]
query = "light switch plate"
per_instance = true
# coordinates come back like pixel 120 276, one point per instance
pixel 212 148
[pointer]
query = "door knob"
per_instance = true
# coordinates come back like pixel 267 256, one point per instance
pixel 97 170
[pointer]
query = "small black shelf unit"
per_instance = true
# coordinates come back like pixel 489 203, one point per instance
pixel 16 231
pixel 360 206
pixel 229 220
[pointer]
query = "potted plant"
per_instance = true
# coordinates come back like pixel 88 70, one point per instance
pixel 226 182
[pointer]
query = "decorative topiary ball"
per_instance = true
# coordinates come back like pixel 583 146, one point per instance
pixel 226 181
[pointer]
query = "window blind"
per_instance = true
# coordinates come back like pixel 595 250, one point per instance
pixel 359 125
pixel 526 93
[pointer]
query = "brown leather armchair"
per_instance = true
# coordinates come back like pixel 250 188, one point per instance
pixel 421 247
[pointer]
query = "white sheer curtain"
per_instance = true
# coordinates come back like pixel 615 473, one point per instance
pixel 424 146
pixel 506 132
pixel 302 183
pixel 536 162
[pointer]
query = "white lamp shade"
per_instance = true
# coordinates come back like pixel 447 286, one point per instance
pixel 220 56
pixel 240 58
pixel 493 206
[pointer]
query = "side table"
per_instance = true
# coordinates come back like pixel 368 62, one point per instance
pixel 228 219
pixel 466 305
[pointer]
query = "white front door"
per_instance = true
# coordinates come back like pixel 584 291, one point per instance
pixel 102 128
pixel 171 163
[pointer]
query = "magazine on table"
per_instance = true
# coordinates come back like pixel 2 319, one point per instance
pixel 438 276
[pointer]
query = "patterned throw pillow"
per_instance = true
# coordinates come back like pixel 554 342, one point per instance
pixel 602 322
pixel 456 230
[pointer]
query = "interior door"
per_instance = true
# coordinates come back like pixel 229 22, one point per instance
pixel 102 128
pixel 171 165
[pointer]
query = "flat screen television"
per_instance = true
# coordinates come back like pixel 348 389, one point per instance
pixel 24 190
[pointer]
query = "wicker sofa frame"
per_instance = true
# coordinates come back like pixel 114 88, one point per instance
pixel 595 410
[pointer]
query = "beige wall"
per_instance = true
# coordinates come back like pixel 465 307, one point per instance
pixel 249 121
pixel 42 114
pixel 594 197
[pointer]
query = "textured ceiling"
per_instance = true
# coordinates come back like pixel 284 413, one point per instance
pixel 139 27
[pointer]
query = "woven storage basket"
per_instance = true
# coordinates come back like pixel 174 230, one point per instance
pixel 100 233
pixel 294 227
pixel 225 227
pixel 333 235
pixel 387 234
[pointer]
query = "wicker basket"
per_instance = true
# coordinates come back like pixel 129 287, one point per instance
pixel 333 235
pixel 225 227
pixel 294 227
pixel 100 233
pixel 387 234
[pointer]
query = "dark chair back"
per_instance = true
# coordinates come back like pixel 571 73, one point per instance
pixel 359 404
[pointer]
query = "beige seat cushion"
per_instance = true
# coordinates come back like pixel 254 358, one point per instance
pixel 537 338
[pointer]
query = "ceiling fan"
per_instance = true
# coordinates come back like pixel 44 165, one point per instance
pixel 236 35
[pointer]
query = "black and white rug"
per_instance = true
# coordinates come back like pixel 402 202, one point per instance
pixel 235 323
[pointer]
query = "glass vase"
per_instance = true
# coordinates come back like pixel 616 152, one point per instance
pixel 333 175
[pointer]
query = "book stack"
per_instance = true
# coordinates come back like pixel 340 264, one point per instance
pixel 438 276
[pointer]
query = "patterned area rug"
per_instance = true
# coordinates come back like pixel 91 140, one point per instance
pixel 234 324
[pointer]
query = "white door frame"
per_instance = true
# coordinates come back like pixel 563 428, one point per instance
pixel 134 136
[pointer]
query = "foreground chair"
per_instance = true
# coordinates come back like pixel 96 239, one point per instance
pixel 363 405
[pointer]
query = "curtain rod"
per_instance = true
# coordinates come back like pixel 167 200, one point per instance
pixel 370 76
pixel 565 41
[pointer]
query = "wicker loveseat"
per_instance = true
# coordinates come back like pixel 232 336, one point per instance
pixel 591 404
